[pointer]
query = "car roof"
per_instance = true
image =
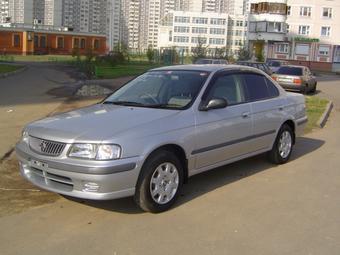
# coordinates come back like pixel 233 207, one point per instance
pixel 207 68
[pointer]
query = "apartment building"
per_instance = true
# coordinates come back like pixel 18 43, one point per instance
pixel 184 30
pixel 4 11
pixel 302 32
pixel 85 15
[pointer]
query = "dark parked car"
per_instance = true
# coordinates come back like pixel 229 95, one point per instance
pixel 259 65
pixel 211 61
pixel 297 78
pixel 274 65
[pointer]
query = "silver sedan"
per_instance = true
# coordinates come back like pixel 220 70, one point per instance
pixel 147 138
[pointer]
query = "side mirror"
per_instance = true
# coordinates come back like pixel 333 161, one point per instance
pixel 214 103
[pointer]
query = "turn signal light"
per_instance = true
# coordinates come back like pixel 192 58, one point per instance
pixel 274 78
pixel 297 81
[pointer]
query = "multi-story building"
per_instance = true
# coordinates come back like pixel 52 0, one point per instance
pixel 184 30
pixel 20 11
pixel 4 11
pixel 85 15
pixel 294 30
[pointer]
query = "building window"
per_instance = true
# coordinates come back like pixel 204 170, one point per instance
pixel 42 41
pixel 75 43
pixel 182 39
pixel 287 28
pixel 199 20
pixel 181 19
pixel 60 42
pixel 327 12
pixel 16 40
pixel 276 27
pixel 180 29
pixel 305 11
pixel 302 49
pixel 289 10
pixel 324 50
pixel 96 44
pixel 304 30
pixel 325 31
pixel 216 41
pixel 239 23
pixel 82 43
pixel 282 48
pixel 199 30
pixel 36 41
pixel 217 31
pixel 202 40
pixel 215 21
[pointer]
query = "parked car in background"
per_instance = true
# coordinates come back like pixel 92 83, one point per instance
pixel 259 65
pixel 211 61
pixel 148 137
pixel 274 65
pixel 296 78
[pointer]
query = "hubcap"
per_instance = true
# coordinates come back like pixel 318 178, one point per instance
pixel 285 144
pixel 164 183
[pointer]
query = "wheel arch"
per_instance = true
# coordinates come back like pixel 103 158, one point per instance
pixel 291 124
pixel 178 151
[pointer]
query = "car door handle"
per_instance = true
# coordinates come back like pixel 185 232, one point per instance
pixel 281 108
pixel 245 115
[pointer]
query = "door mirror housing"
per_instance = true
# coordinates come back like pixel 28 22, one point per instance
pixel 214 103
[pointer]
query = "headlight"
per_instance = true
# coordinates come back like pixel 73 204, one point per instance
pixel 24 136
pixel 95 151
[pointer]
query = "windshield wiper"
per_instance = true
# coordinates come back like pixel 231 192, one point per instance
pixel 125 103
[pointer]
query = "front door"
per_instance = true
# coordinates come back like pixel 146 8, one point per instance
pixel 220 133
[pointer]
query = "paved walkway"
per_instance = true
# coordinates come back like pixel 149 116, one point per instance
pixel 23 99
pixel 250 207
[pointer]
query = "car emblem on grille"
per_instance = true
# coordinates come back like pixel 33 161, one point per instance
pixel 43 145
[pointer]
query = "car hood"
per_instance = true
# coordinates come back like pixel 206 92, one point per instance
pixel 98 123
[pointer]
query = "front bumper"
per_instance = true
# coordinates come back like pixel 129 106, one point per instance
pixel 102 180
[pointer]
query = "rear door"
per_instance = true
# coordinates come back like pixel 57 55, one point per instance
pixel 220 133
pixel 267 109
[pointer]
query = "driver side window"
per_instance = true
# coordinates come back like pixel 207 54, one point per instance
pixel 228 87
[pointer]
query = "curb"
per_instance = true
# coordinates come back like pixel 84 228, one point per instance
pixel 4 75
pixel 324 117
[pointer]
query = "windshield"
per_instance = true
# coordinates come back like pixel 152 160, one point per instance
pixel 204 61
pixel 290 70
pixel 160 89
pixel 274 64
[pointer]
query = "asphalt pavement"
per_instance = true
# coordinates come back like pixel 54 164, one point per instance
pixel 249 207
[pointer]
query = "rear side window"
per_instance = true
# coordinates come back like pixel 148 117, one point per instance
pixel 256 86
pixel 272 89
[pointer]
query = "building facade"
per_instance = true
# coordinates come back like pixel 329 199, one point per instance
pixel 301 32
pixel 25 41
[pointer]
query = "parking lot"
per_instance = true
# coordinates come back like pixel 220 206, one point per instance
pixel 249 207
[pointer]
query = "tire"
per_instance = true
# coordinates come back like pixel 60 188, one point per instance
pixel 157 176
pixel 314 88
pixel 279 155
pixel 304 90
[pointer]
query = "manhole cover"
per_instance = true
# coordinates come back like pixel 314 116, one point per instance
pixel 93 90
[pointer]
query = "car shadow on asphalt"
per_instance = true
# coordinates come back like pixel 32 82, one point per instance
pixel 203 183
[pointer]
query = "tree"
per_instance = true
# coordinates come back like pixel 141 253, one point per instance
pixel 243 53
pixel 150 54
pixel 200 51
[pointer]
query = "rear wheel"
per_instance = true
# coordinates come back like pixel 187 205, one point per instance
pixel 160 182
pixel 282 148
pixel 314 88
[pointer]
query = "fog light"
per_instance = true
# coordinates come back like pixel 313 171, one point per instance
pixel 91 187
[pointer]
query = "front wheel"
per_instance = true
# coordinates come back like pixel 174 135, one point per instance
pixel 160 182
pixel 283 146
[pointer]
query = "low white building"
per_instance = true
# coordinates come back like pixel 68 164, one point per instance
pixel 183 30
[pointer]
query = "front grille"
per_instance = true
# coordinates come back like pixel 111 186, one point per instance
pixel 51 180
pixel 46 147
